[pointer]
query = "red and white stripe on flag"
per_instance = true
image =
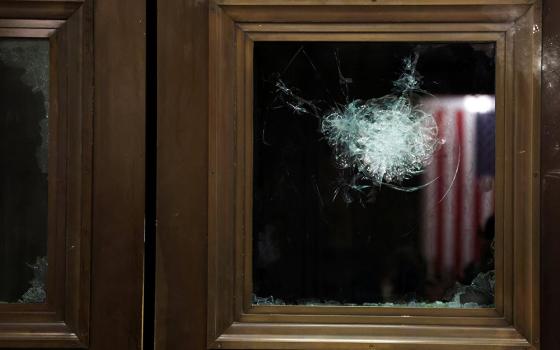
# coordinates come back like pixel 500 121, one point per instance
pixel 457 205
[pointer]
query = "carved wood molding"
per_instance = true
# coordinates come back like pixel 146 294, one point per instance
pixel 63 321
pixel 39 9
pixel 233 322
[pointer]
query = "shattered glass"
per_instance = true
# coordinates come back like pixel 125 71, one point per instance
pixel 24 133
pixel 373 174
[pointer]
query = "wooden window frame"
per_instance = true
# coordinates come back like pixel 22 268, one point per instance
pixel 514 25
pixel 63 320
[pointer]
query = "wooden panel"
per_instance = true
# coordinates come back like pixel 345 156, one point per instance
pixel 64 319
pixel 526 180
pixel 39 9
pixel 517 90
pixel 221 176
pixel 118 201
pixel 79 63
pixel 185 176
pixel 118 197
pixel 182 174
pixel 321 336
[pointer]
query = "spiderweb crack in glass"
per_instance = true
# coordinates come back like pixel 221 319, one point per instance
pixel 386 140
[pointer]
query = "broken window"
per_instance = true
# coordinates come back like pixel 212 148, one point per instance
pixel 374 166
pixel 24 105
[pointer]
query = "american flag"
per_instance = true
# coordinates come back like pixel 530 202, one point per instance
pixel 457 206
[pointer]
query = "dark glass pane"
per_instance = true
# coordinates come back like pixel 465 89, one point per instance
pixel 24 99
pixel 374 174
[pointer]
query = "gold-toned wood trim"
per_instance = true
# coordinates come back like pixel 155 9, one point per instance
pixel 526 163
pixel 248 176
pixel 400 37
pixel 502 283
pixel 371 311
pixel 221 165
pixel 266 341
pixel 402 319
pixel 413 12
pixel 26 33
pixel 242 133
pixel 373 330
pixel 31 24
pixel 245 205
pixel 372 27
pixel 321 336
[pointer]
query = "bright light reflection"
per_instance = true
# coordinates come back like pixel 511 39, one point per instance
pixel 479 103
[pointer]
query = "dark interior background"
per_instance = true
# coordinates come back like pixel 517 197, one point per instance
pixel 307 246
pixel 23 184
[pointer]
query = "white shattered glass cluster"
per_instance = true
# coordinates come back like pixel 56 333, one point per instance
pixel 32 57
pixel 387 139
pixel 36 293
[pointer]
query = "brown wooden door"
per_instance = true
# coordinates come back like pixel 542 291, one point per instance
pixel 196 64
pixel 86 60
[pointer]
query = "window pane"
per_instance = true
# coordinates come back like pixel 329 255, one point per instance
pixel 24 99
pixel 374 174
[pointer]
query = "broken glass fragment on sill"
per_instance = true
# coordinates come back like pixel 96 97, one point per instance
pixel 36 294
pixel 271 301
pixel 267 300
pixel 479 294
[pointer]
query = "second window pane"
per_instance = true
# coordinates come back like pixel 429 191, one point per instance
pixel 24 133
